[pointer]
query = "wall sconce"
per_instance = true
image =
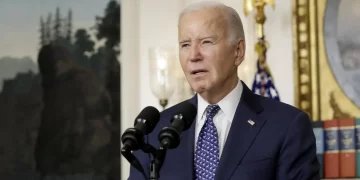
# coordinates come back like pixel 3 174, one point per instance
pixel 162 72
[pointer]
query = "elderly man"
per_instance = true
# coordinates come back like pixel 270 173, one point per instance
pixel 251 137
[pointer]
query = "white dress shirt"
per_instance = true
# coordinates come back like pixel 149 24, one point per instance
pixel 223 118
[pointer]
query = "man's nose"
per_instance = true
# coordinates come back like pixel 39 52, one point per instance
pixel 195 54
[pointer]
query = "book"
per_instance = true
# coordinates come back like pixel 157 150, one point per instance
pixel 347 148
pixel 357 145
pixel 319 136
pixel 331 149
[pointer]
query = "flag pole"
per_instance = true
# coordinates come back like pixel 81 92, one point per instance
pixel 262 45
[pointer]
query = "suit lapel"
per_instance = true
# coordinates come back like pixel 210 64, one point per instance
pixel 241 134
pixel 189 138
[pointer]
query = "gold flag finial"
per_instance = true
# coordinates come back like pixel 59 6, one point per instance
pixel 260 17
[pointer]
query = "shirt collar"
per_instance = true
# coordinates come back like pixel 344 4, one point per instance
pixel 228 104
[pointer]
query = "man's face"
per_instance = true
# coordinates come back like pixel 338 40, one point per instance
pixel 206 55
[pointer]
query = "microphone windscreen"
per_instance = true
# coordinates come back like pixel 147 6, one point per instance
pixel 150 115
pixel 188 111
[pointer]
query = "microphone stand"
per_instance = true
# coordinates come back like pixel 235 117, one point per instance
pixel 126 152
pixel 157 162
pixel 158 157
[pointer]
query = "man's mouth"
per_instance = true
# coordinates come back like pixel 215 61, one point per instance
pixel 198 71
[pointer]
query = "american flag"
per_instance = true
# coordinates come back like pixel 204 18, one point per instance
pixel 263 83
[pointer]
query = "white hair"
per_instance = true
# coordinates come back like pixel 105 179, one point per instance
pixel 235 26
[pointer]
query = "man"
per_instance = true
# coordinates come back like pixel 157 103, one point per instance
pixel 237 134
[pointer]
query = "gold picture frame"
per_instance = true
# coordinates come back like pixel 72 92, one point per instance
pixel 317 90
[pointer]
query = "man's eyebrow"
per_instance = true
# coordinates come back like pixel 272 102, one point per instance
pixel 199 39
pixel 207 37
pixel 184 41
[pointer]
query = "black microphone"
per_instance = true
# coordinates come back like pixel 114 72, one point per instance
pixel 170 137
pixel 133 138
pixel 145 122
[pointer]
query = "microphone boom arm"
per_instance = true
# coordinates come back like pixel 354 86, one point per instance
pixel 148 148
pixel 126 152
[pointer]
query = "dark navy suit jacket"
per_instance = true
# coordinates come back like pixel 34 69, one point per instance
pixel 279 146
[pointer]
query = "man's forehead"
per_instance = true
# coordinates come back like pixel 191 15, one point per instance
pixel 207 15
pixel 201 22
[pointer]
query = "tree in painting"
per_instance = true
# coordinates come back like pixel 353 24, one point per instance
pixel 88 82
pixel 69 125
pixel 108 27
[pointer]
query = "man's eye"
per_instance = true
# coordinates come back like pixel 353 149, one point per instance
pixel 184 45
pixel 207 42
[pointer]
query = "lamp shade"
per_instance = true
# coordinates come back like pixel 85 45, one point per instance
pixel 162 63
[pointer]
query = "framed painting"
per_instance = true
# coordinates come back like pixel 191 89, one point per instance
pixel 327 58
pixel 60 89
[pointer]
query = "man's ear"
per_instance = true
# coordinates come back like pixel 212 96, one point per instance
pixel 240 52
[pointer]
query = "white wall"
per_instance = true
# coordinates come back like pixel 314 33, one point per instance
pixel 130 66
pixel 140 17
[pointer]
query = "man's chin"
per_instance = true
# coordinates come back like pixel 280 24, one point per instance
pixel 199 89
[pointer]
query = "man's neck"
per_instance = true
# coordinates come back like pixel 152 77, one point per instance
pixel 213 97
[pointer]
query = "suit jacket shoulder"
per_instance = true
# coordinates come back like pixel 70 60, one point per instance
pixel 278 112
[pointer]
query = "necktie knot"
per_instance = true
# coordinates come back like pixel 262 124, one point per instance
pixel 212 110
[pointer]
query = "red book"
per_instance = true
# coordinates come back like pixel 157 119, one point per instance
pixel 331 150
pixel 347 148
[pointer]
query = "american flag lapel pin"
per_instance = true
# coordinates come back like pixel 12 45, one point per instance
pixel 251 122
